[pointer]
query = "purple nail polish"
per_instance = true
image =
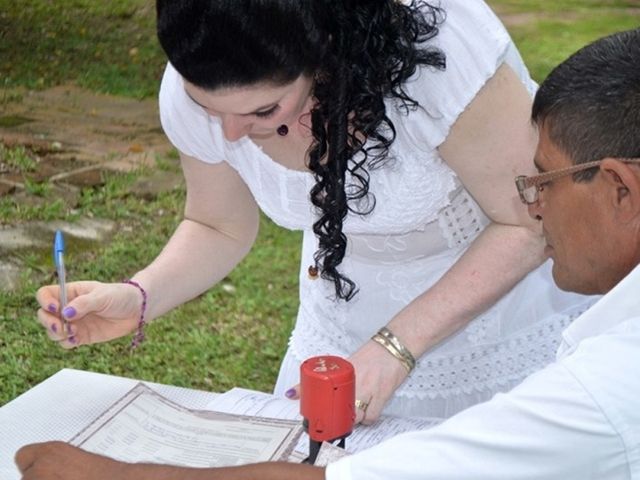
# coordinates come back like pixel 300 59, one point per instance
pixel 54 328
pixel 72 340
pixel 290 393
pixel 51 308
pixel 69 312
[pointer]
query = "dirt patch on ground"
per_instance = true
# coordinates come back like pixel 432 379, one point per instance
pixel 76 134
pixel 67 138
pixel 511 19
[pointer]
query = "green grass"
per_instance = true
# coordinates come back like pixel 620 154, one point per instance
pixel 542 55
pixel 236 333
pixel 17 159
pixel 105 46
pixel 564 6
pixel 547 32
pixel 231 335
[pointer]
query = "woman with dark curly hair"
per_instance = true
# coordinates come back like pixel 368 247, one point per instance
pixel 389 133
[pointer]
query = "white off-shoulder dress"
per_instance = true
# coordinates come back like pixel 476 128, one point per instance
pixel 423 221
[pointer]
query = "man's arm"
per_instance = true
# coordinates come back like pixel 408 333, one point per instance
pixel 58 460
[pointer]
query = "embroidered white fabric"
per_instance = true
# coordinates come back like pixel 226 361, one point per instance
pixel 422 222
pixel 461 220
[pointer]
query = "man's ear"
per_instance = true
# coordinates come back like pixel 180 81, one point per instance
pixel 624 182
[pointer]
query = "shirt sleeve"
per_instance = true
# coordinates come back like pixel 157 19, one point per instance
pixel 187 125
pixel 549 427
pixel 475 44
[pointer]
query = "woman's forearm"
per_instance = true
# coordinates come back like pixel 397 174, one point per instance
pixel 499 257
pixel 195 258
pixel 221 223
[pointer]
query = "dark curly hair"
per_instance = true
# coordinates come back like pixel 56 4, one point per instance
pixel 360 52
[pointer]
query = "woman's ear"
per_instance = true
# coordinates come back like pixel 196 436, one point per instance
pixel 623 182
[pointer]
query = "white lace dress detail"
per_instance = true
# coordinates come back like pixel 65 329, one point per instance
pixel 422 223
pixel 462 220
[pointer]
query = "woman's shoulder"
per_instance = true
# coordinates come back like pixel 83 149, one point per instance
pixel 189 128
pixel 475 44
pixel 471 36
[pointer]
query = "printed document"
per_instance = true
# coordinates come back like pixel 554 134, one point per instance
pixel 144 426
pixel 250 402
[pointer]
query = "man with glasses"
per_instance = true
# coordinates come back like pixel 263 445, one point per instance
pixel 579 418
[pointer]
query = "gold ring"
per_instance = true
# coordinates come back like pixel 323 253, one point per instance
pixel 361 405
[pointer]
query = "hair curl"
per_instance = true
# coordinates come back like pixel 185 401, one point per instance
pixel 361 53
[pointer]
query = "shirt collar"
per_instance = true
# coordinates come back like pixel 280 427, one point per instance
pixel 615 307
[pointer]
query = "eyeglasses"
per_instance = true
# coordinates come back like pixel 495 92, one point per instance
pixel 530 187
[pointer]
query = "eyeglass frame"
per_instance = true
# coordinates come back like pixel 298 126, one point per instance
pixel 524 182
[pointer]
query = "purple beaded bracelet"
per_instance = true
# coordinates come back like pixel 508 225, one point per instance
pixel 138 337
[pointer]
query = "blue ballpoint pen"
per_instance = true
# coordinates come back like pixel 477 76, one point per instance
pixel 58 258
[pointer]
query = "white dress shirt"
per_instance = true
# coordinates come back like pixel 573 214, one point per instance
pixel 579 418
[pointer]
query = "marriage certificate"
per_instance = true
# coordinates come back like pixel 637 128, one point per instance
pixel 144 426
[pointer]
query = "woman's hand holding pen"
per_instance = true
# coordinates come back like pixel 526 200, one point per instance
pixel 96 312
